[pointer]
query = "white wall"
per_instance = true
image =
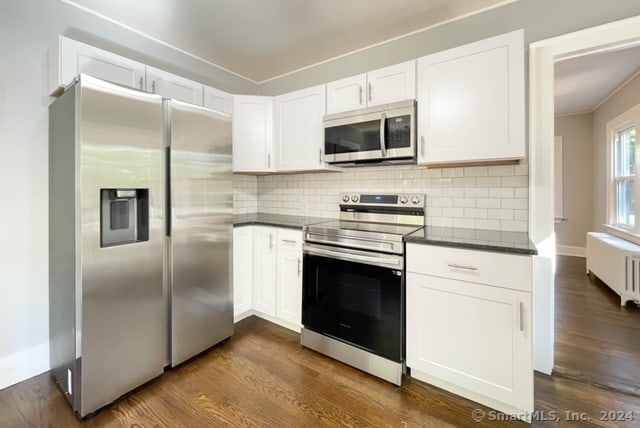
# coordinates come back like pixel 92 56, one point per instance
pixel 577 142
pixel 618 103
pixel 541 19
pixel 27 29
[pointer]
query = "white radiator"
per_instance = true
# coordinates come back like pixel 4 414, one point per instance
pixel 616 262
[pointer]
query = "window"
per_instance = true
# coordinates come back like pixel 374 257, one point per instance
pixel 623 186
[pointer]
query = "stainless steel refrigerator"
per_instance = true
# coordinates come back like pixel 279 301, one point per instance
pixel 140 225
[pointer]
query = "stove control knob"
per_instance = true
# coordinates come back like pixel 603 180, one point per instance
pixel 354 198
pixel 403 199
pixel 415 200
pixel 345 198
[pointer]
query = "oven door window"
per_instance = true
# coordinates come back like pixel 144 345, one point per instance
pixel 354 302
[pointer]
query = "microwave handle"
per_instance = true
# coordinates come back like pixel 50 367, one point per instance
pixel 383 143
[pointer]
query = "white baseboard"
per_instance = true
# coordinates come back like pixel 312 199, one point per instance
pixel 567 250
pixel 24 365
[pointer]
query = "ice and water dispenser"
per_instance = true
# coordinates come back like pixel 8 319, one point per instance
pixel 124 216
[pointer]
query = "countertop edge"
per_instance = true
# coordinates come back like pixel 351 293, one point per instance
pixel 471 246
pixel 267 223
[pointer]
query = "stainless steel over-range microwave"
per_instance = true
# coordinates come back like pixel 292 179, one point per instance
pixel 384 133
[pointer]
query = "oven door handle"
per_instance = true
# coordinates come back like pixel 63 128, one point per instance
pixel 346 255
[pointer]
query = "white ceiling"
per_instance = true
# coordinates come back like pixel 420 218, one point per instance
pixel 262 39
pixel 582 83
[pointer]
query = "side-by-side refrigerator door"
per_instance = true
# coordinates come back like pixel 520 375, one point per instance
pixel 200 229
pixel 121 313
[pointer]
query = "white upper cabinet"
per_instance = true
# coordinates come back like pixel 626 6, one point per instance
pixel 391 84
pixel 218 100
pixel 171 86
pixel 69 58
pixel 471 102
pixel 346 94
pixel 252 134
pixel 298 129
pixel 385 85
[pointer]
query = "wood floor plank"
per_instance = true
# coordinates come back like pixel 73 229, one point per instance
pixel 263 377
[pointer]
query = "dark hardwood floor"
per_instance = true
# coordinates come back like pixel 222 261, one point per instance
pixel 262 377
pixel 597 340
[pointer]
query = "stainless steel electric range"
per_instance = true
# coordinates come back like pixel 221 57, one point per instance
pixel 353 282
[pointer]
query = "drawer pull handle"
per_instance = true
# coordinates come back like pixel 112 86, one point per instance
pixel 289 241
pixel 455 266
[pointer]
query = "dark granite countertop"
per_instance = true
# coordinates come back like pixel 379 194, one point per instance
pixel 474 239
pixel 276 220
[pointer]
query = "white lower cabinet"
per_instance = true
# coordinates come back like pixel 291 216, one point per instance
pixel 289 276
pixel 267 268
pixel 242 273
pixel 264 270
pixel 470 338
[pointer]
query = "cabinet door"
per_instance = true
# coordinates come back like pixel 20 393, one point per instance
pixel 390 84
pixel 242 269
pixel 289 274
pixel 171 86
pixel 73 57
pixel 264 270
pixel 473 337
pixel 299 130
pixel 346 94
pixel 218 100
pixel 252 133
pixel 471 102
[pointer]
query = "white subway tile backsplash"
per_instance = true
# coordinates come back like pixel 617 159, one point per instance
pixel 464 202
pixel 464 182
pixel 434 173
pixel 475 212
pixel 487 197
pixel 515 204
pixel 522 215
pixel 441 202
pixel 476 171
pixel 500 170
pixel 454 192
pixel 487 203
pixel 500 214
pixel 515 181
pixel 513 226
pixel 452 172
pixel 522 192
pixel 452 212
pixel 501 192
pixel 488 182
pixel 521 169
pixel 469 223
pixel 476 192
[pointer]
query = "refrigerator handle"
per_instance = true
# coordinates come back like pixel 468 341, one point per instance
pixel 167 200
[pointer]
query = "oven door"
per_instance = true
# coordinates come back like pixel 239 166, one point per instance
pixel 356 297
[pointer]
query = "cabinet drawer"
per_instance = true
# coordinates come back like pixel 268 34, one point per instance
pixel 289 238
pixel 501 270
